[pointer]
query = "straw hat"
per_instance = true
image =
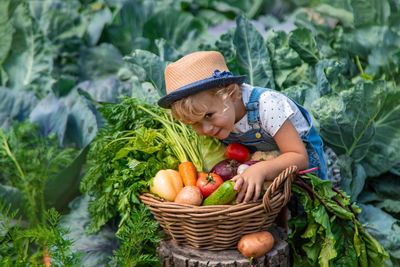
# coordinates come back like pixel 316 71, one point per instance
pixel 196 72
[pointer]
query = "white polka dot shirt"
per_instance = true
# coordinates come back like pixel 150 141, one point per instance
pixel 274 108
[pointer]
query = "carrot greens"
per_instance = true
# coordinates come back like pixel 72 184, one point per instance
pixel 183 141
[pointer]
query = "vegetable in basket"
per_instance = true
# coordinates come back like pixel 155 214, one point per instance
pixel 242 167
pixel 211 151
pixel 225 194
pixel 238 152
pixel 188 173
pixel 208 183
pixel 166 184
pixel 189 195
pixel 226 168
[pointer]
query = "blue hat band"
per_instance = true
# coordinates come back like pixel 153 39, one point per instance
pixel 217 79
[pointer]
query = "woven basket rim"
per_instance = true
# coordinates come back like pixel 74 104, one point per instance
pixel 164 205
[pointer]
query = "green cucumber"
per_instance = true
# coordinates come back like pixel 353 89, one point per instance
pixel 224 194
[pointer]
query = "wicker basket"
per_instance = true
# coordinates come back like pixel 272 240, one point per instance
pixel 220 227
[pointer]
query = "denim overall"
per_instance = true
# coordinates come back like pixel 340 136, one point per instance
pixel 265 142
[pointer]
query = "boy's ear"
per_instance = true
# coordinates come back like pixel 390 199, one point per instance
pixel 236 95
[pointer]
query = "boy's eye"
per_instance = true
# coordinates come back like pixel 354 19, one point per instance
pixel 208 115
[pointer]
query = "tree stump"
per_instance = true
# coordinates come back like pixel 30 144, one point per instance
pixel 174 255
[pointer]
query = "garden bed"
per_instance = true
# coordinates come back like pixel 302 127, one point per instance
pixel 72 74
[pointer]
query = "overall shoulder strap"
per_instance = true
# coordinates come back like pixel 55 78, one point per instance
pixel 252 106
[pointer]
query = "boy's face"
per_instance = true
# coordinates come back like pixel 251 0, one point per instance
pixel 219 118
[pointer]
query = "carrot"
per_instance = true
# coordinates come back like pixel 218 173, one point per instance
pixel 46 258
pixel 188 173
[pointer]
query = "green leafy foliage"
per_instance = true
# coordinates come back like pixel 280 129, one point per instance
pixel 180 29
pixel 9 229
pixel 120 166
pixel 28 161
pixel 5 30
pixel 339 129
pixel 91 62
pixel 123 162
pixel 94 249
pixel 49 49
pixel 252 55
pixel 303 42
pixel 126 29
pixel 56 122
pixel 33 169
pixel 286 61
pixel 328 232
pixel 51 236
pixel 139 239
pixel 15 106
pixel 31 57
pixel 148 67
pixel 22 246
pixel 380 211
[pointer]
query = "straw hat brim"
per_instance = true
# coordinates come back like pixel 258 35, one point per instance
pixel 190 89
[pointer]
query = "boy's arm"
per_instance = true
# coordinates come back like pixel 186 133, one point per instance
pixel 293 152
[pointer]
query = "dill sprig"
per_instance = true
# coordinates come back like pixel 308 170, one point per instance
pixel 28 161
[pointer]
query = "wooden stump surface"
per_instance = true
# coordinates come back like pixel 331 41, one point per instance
pixel 175 255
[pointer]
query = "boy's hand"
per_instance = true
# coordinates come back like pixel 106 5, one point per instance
pixel 250 183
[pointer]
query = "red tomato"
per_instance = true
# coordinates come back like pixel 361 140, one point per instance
pixel 208 183
pixel 238 152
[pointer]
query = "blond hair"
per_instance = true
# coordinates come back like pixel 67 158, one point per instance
pixel 188 110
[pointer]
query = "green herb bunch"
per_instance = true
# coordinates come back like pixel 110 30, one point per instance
pixel 328 232
pixel 123 157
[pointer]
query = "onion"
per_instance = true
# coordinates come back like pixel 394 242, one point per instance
pixel 226 168
pixel 242 168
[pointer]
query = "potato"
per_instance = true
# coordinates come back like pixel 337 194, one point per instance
pixel 189 195
pixel 255 245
